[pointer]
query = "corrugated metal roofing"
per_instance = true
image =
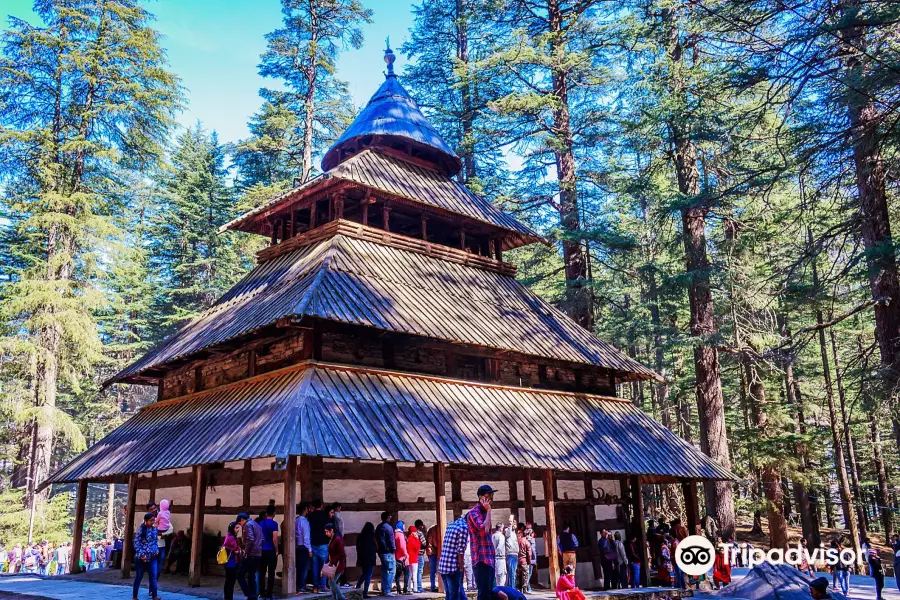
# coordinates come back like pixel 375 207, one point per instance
pixel 397 177
pixel 235 423
pixel 340 412
pixel 393 114
pixel 363 283
pixel 401 178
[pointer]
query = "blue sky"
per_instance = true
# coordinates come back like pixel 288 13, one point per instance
pixel 214 47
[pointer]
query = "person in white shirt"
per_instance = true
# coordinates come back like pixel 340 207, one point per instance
pixel 499 541
pixel 62 558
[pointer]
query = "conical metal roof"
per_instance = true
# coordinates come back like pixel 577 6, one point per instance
pixel 392 119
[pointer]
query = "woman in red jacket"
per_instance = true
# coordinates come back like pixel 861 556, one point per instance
pixel 721 570
pixel 337 558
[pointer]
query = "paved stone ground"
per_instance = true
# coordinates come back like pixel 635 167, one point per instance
pixel 108 586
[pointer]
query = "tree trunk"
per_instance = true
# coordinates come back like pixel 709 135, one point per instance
pixel 874 217
pixel 829 508
pixel 309 100
pixel 771 477
pixel 111 532
pixel 467 119
pixel 578 304
pixel 708 383
pixel 855 474
pixel 882 492
pixel 839 463
pixel 808 517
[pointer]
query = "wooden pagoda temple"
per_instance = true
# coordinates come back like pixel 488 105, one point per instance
pixel 382 354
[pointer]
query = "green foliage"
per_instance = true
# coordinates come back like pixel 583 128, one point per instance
pixel 52 519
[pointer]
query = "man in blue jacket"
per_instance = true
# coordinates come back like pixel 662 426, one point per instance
pixel 384 537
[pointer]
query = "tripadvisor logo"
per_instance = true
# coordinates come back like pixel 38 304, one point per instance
pixel 695 555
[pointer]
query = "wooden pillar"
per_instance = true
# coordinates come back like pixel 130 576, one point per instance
pixel 304 473
pixel 498 250
pixel 128 537
pixel 691 507
pixel 386 217
pixel 637 498
pixel 247 484
pixel 274 239
pixel 339 206
pixel 456 492
pixel 198 482
pixel 550 512
pixel 293 222
pixel 462 239
pixel 529 497
pixel 312 215
pixel 153 476
pixel 391 476
pixel 288 532
pixel 424 228
pixel 78 526
pixel 440 507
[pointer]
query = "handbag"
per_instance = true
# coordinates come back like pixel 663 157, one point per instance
pixel 222 556
pixel 329 571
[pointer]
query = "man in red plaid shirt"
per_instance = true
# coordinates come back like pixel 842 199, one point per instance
pixel 483 558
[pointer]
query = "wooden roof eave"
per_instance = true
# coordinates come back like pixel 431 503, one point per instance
pixel 250 221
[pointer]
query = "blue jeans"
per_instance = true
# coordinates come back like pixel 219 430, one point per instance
pixel 336 593
pixel 319 558
pixel 387 572
pixel 417 580
pixel 302 567
pixel 484 580
pixel 530 573
pixel 844 580
pixel 246 576
pixel 432 570
pixel 365 580
pixel 512 564
pixel 635 574
pixel 160 562
pixel 141 567
pixel 453 585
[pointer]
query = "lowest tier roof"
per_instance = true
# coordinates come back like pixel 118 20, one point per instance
pixel 360 282
pixel 343 412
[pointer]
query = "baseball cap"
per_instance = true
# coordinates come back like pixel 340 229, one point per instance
pixel 485 489
pixel 819 583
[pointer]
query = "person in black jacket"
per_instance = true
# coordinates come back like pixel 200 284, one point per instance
pixel 366 549
pixel 384 538
pixel 318 518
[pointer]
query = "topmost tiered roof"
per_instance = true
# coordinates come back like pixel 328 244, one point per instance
pixel 392 119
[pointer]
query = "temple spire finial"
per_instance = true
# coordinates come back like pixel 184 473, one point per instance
pixel 389 58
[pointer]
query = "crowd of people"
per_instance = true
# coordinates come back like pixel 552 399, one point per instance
pixel 45 558
pixel 474 554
